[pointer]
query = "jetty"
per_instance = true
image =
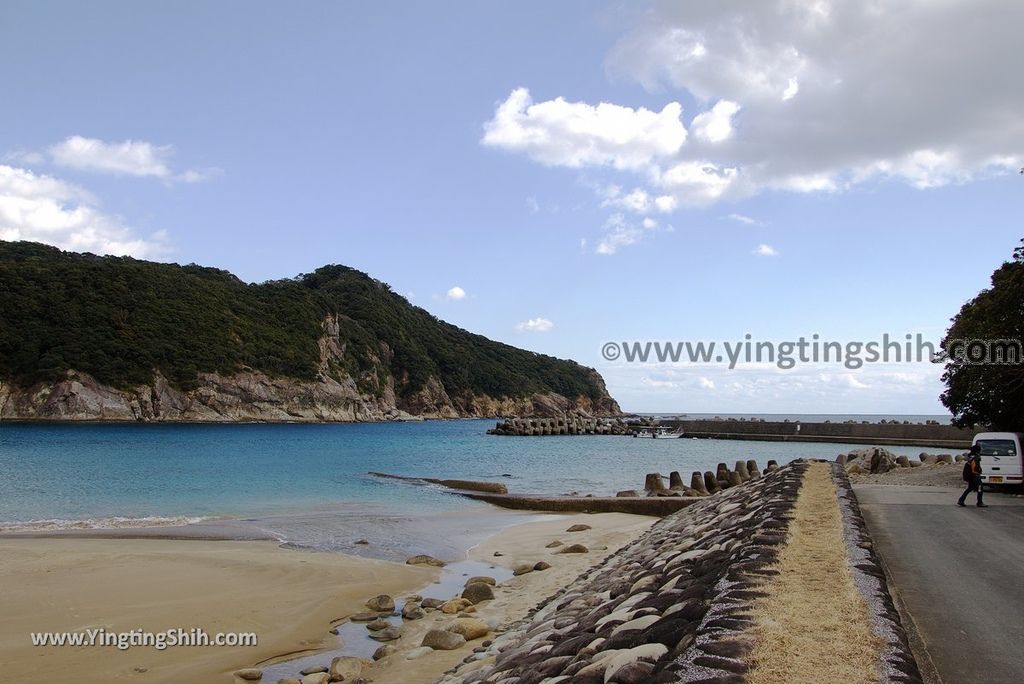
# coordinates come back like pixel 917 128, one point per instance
pixel 883 433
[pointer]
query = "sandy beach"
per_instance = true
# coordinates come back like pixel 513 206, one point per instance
pixel 287 597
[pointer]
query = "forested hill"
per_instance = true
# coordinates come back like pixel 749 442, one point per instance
pixel 128 323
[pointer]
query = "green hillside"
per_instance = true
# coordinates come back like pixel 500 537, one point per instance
pixel 119 319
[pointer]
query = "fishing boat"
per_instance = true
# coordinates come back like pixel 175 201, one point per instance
pixel 658 432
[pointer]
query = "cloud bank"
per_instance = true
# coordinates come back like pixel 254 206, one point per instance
pixel 44 209
pixel 803 96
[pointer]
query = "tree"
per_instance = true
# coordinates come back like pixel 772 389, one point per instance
pixel 981 392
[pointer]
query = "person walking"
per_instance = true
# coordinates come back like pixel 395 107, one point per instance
pixel 972 475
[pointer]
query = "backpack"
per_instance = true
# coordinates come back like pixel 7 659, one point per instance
pixel 968 471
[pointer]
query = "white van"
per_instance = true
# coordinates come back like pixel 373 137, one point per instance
pixel 1001 458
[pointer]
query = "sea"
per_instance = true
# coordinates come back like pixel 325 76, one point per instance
pixel 309 485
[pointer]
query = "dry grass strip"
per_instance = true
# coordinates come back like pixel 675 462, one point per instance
pixel 813 627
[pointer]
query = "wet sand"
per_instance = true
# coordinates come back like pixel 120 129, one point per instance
pixel 287 597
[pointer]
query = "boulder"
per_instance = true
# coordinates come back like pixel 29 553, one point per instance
pixel 249 674
pixel 377 625
pixel 443 640
pixel 903 461
pixel 384 651
pixel 627 492
pixel 541 565
pixel 574 548
pixel 418 652
pixel 318 678
pixel 578 527
pixel 553 545
pixel 389 634
pixel 470 628
pixel 381 604
pixel 481 578
pixel 423 559
pixel 522 569
pixel 455 605
pixel 882 461
pixel 432 603
pixel 411 611
pixel 312 669
pixel 478 592
pixel 873 460
pixel 364 617
pixel 346 667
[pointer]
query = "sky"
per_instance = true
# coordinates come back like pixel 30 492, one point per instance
pixel 556 176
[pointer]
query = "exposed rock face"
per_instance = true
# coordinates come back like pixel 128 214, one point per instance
pixel 332 396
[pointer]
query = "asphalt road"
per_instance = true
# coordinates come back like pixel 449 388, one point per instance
pixel 959 573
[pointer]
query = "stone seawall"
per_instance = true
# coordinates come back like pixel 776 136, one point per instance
pixel 640 615
pixel 676 605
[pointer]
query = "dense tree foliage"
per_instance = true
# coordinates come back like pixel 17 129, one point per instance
pixel 120 319
pixel 989 393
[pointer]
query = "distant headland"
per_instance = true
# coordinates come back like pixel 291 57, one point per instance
pixel 85 337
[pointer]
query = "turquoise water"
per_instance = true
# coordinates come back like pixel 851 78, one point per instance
pixel 95 473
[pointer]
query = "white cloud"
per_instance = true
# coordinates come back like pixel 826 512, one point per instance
pixel 455 294
pixel 792 88
pixel 128 158
pixel 877 97
pixel 766 251
pixel 697 182
pixel 763 388
pixel 639 201
pixel 44 209
pixel 576 134
pixel 832 95
pixel 532 204
pixel 621 232
pixel 535 325
pixel 746 220
pixel 715 125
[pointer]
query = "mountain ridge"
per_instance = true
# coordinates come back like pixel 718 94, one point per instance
pixel 86 337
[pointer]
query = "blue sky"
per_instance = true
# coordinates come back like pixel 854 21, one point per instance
pixel 780 170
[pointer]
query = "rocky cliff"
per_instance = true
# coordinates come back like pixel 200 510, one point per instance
pixel 373 387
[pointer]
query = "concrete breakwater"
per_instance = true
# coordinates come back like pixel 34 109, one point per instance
pixel 677 605
pixel 885 433
pixel 564 425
